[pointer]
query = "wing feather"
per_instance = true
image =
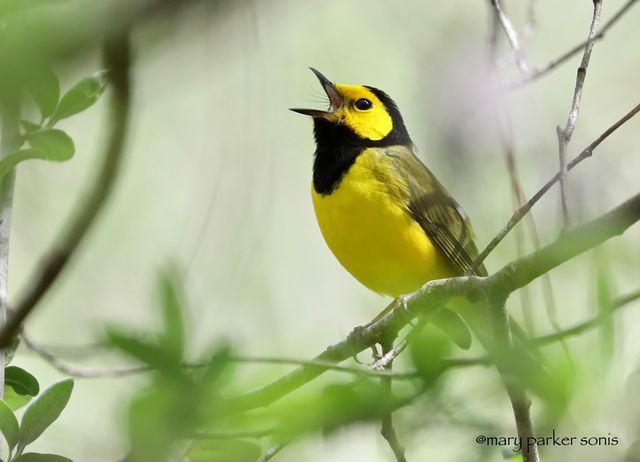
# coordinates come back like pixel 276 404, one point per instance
pixel 438 214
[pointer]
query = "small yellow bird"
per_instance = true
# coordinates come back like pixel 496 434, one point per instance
pixel 383 214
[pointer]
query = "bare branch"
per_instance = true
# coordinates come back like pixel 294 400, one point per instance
pixel 512 36
pixel 46 273
pixel 88 373
pixel 434 294
pixel 387 430
pixel 522 211
pixel 80 372
pixel 616 304
pixel 564 134
pixel 495 341
pixel 536 74
pixel 453 363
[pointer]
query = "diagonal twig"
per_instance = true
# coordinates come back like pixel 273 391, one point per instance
pixel 75 371
pixel 536 74
pixel 522 211
pixel 45 275
pixel 123 371
pixel 512 36
pixel 436 293
pixel 387 429
pixel 564 134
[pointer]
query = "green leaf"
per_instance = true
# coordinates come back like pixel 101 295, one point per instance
pixel 155 414
pixel 13 159
pixel 14 400
pixel 56 143
pixel 224 451
pixel 37 457
pixel 49 144
pixel 453 325
pixel 80 97
pixel 428 349
pixel 22 382
pixel 217 364
pixel 9 425
pixel 172 337
pixel 44 410
pixel 10 350
pixel 142 350
pixel 45 90
pixel 29 126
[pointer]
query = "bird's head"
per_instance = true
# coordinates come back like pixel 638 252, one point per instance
pixel 357 115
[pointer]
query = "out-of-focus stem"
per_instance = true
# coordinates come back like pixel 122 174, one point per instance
pixel 10 141
pixel 117 56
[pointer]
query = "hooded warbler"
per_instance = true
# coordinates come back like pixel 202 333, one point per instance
pixel 383 214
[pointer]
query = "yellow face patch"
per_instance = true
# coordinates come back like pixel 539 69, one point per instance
pixel 373 123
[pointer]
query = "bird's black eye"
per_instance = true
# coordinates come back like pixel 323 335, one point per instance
pixel 363 104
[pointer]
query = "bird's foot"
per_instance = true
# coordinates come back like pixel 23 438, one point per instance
pixel 402 303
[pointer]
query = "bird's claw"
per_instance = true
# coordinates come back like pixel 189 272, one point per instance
pixel 402 303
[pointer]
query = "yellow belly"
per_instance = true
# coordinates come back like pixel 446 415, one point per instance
pixel 368 229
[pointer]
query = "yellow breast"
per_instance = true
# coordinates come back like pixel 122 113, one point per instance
pixel 368 228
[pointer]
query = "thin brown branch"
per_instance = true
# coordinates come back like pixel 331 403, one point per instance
pixel 521 406
pixel 519 198
pixel 387 429
pixel 564 134
pixel 45 275
pixel 512 36
pixel 553 64
pixel 80 372
pixel 114 372
pixel 522 211
pixel 517 193
pixel 388 432
pixel 453 363
pixel 496 341
pixel 434 294
pixel 578 329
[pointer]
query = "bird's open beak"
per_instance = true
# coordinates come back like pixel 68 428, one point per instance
pixel 335 100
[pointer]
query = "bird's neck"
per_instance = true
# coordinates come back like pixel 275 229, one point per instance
pixel 330 166
pixel 336 150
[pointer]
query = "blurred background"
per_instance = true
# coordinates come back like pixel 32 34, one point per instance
pixel 217 178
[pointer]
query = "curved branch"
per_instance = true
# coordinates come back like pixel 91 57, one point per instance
pixel 434 294
pixel 536 74
pixel 82 372
pixel 522 211
pixel 117 61
pixel 564 134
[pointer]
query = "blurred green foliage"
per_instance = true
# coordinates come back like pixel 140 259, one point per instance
pixel 218 178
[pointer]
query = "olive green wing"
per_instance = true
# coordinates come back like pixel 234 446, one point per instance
pixel 438 214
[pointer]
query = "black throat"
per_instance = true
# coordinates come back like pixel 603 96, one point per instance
pixel 338 146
